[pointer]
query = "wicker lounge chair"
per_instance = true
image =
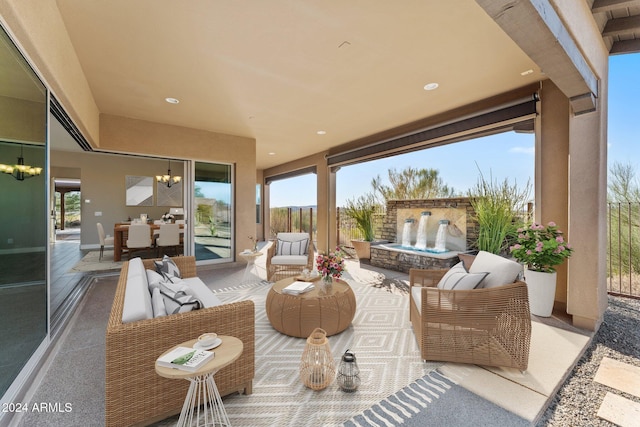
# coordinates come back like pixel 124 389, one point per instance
pixel 289 254
pixel 490 327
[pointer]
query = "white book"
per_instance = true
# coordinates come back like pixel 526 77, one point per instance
pixel 185 358
pixel 298 287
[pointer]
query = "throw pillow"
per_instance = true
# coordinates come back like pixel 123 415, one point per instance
pixel 157 300
pixel 458 279
pixel 167 268
pixel 502 271
pixel 299 247
pixel 154 279
pixel 176 299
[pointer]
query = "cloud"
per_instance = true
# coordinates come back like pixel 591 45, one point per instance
pixel 524 150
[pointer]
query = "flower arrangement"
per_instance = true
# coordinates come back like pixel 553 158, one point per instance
pixel 331 265
pixel 255 243
pixel 541 247
pixel 167 217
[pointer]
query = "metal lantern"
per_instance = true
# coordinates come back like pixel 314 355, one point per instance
pixel 348 373
pixel 317 368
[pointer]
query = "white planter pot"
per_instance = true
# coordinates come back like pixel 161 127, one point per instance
pixel 541 288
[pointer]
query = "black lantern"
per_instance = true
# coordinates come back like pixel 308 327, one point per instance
pixel 348 373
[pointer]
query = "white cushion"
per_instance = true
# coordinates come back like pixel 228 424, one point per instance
pixel 137 298
pixel 289 260
pixel 458 279
pixel 157 301
pixel 502 271
pixel 292 237
pixel 198 289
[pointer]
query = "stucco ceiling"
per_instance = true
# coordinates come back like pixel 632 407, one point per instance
pixel 281 70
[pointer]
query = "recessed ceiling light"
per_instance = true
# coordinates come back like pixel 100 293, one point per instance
pixel 172 100
pixel 322 132
pixel 271 153
pixel 431 86
pixel 524 73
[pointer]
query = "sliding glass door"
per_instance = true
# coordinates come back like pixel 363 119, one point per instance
pixel 23 217
pixel 212 212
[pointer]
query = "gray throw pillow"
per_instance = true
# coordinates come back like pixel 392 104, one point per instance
pixel 299 247
pixel 167 268
pixel 458 279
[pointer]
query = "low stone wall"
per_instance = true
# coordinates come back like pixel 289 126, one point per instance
pixel 399 260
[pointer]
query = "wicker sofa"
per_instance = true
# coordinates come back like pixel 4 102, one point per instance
pixel 135 394
pixel 486 326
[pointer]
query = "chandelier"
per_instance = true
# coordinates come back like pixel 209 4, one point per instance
pixel 20 171
pixel 168 179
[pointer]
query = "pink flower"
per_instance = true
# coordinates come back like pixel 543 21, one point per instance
pixel 560 249
pixel 517 246
pixel 529 252
pixel 538 248
pixel 559 239
pixel 552 224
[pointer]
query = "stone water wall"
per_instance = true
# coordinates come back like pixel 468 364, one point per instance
pixel 461 205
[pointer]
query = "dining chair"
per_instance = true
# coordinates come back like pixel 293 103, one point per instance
pixel 139 238
pixel 105 240
pixel 168 236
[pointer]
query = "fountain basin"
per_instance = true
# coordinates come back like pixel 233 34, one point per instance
pixel 394 256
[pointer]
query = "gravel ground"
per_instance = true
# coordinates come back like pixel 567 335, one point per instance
pixel 618 338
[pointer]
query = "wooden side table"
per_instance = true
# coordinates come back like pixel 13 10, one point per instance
pixel 203 389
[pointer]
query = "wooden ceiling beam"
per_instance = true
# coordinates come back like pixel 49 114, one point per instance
pixel 622 26
pixel 625 46
pixel 609 5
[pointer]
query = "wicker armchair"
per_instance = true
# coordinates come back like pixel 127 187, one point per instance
pixel 282 265
pixel 490 327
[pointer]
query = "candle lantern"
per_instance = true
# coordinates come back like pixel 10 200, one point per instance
pixel 317 368
pixel 348 373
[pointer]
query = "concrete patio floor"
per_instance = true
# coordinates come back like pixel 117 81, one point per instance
pixel 556 346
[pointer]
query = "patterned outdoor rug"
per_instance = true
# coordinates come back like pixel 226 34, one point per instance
pixel 435 400
pixel 380 336
pixel 91 262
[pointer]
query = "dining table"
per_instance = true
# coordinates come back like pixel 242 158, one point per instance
pixel 120 231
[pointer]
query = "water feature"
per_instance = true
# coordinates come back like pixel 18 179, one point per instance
pixel 406 232
pixel 421 239
pixel 441 237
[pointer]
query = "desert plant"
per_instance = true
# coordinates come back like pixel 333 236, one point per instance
pixel 361 210
pixel 496 208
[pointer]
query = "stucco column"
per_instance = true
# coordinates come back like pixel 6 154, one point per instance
pixel 552 170
pixel 587 293
pixel 326 195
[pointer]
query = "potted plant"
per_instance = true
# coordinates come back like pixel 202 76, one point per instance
pixel 361 210
pixel 541 248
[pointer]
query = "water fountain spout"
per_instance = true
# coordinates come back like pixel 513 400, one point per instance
pixel 406 232
pixel 421 239
pixel 441 237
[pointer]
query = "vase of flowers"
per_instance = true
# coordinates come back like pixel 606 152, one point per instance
pixel 330 265
pixel 541 248
pixel 167 217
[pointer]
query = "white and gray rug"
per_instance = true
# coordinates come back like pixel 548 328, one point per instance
pixel 92 262
pixel 380 336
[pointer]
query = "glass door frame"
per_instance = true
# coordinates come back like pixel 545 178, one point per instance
pixel 190 204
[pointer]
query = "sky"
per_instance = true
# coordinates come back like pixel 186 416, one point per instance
pixel 504 156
